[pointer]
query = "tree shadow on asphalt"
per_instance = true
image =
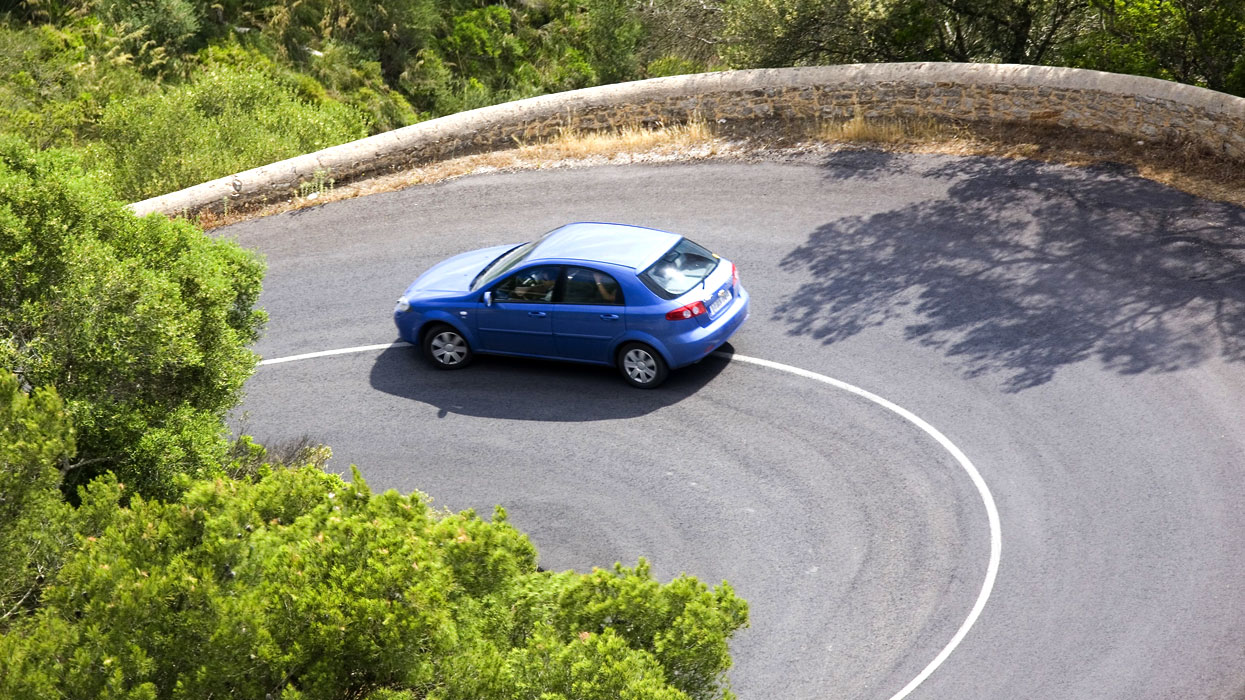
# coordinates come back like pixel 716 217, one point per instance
pixel 864 164
pixel 1024 268
pixel 536 390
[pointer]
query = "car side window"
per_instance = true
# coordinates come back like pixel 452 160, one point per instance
pixel 587 286
pixel 530 284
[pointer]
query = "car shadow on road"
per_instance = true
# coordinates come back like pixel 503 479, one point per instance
pixel 537 390
pixel 1023 268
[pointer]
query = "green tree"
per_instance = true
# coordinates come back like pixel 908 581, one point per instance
pixel 35 523
pixel 1007 31
pixel 774 33
pixel 141 325
pixel 300 585
pixel 807 32
pixel 613 39
pixel 481 43
pixel 681 36
pixel 1198 42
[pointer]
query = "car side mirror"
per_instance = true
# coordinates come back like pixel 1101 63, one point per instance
pixel 488 298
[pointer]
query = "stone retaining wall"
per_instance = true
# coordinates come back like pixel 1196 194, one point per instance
pixel 1141 108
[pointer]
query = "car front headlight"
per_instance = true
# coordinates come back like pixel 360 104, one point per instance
pixel 402 306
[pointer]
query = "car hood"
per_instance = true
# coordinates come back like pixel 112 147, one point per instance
pixel 455 274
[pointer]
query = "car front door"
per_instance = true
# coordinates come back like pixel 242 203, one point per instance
pixel 589 316
pixel 519 319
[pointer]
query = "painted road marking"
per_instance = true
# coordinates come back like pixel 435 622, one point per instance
pixel 992 511
pixel 327 353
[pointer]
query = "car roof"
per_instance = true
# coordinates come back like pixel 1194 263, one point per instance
pixel 621 244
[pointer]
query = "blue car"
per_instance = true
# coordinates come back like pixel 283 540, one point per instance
pixel 642 300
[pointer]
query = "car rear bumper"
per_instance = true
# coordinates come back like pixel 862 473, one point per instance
pixel 696 344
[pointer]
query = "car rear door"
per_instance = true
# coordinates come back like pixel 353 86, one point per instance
pixel 589 317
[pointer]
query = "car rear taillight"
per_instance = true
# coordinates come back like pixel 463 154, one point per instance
pixel 734 276
pixel 692 310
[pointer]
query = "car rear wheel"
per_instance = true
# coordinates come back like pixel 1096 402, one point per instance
pixel 446 348
pixel 642 366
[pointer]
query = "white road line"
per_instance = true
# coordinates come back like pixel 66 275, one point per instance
pixel 992 512
pixel 326 353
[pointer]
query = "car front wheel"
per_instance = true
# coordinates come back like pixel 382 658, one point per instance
pixel 642 366
pixel 446 348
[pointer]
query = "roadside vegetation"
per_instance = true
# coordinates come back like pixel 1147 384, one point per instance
pixel 146 554
pixel 156 95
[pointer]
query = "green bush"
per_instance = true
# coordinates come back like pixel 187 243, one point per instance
pixel 35 524
pixel 358 82
pixel 141 325
pixel 226 121
pixel 300 585
pixel 54 83
pixel 672 65
pixel 154 30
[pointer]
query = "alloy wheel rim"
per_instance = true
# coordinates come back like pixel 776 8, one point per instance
pixel 640 366
pixel 448 348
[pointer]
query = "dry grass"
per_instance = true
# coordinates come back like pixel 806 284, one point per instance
pixel 1177 165
pixel 573 143
pixel 859 129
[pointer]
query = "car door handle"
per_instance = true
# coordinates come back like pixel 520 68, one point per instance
pixel 609 317
pixel 537 314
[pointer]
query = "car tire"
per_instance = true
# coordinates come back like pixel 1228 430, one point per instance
pixel 446 348
pixel 642 366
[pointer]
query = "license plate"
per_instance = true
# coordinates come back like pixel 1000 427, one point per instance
pixel 722 299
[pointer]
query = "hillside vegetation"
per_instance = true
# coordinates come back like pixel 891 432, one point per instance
pixel 157 95
pixel 145 554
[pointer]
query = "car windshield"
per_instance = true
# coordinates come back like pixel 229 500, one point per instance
pixel 504 262
pixel 682 267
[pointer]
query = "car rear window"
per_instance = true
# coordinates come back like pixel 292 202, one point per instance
pixel 682 267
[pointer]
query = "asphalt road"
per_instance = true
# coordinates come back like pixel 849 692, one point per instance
pixel 1079 334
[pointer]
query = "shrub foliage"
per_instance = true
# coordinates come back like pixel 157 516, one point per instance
pixel 129 77
pixel 188 567
pixel 182 565
pixel 300 585
pixel 141 325
pixel 226 119
pixel 35 523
